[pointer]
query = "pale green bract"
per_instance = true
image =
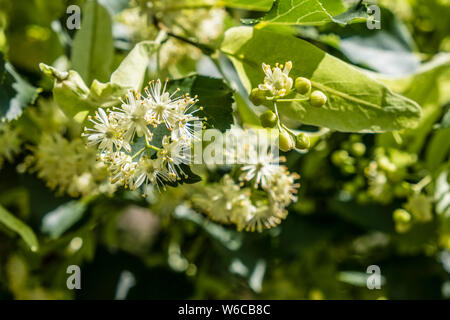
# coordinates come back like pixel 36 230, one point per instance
pixel 92 49
pixel 356 103
pixel 77 99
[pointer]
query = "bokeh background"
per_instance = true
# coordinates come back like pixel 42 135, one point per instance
pixel 159 248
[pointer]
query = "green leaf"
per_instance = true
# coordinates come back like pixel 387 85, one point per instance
pixel 59 220
pixel 20 228
pixel 245 112
pixel 429 87
pixel 313 12
pixel 15 93
pixel 254 5
pixel 445 123
pixel 370 217
pixel 131 72
pixel 77 99
pixel 356 103
pixel 389 50
pixel 357 13
pixel 438 150
pixel 214 96
pixel 442 194
pixel 93 49
pixel 70 92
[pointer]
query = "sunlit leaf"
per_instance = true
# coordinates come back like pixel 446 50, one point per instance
pixel 355 102
pixel 92 49
pixel 313 12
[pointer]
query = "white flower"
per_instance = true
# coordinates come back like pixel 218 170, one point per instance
pixel 266 217
pixel 264 169
pixel 132 117
pixel 226 202
pixel 162 107
pixel 122 168
pixel 105 133
pixel 175 153
pixel 283 187
pixel 150 170
pixel 114 131
pixel 186 125
pixel 277 81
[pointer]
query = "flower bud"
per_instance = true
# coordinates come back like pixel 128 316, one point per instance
pixel 402 189
pixel 302 85
pixel 339 157
pixel 358 149
pixel 257 96
pixel 302 141
pixel 318 99
pixel 402 216
pixel 268 119
pixel 286 141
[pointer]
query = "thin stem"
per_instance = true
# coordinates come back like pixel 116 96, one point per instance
pixel 397 137
pixel 138 153
pixel 422 184
pixel 276 110
pixel 292 100
pixel 153 147
pixel 206 49
pixel 292 133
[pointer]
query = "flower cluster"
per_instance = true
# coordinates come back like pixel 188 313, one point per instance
pixel 67 167
pixel 10 143
pixel 277 81
pixel 118 131
pixel 276 86
pixel 256 194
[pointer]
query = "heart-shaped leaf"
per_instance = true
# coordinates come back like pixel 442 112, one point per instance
pixel 356 103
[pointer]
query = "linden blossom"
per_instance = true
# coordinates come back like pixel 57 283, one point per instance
pixel 190 310
pixel 115 131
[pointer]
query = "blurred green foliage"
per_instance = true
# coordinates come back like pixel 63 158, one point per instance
pixel 365 199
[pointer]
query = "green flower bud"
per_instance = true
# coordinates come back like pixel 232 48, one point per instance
pixel 286 141
pixel 257 96
pixel 385 164
pixel 363 198
pixel 339 157
pixel 402 216
pixel 402 219
pixel 302 85
pixel 402 227
pixel 318 99
pixel 358 149
pixel 402 189
pixel 268 119
pixel 302 141
pixel 348 168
